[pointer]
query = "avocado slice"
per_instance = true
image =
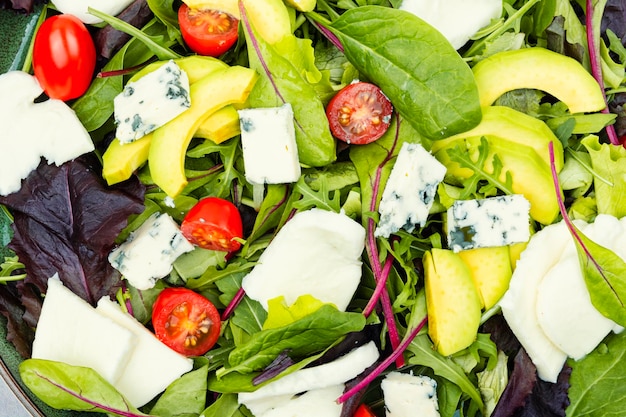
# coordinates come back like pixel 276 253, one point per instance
pixel 516 127
pixel 302 5
pixel 166 158
pixel 538 68
pixel 220 126
pixel 491 272
pixel 452 301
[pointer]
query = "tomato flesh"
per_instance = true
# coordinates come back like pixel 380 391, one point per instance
pixel 359 113
pixel 185 321
pixel 207 32
pixel 64 57
pixel 364 411
pixel 215 224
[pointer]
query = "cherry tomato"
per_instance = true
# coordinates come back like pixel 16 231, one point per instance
pixel 207 31
pixel 364 411
pixel 185 321
pixel 64 57
pixel 213 223
pixel 359 113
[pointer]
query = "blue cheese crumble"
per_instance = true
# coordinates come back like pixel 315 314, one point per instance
pixel 410 191
pixel 151 101
pixel 495 221
pixel 409 395
pixel 149 252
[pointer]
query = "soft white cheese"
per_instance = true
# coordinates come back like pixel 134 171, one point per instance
pixel 270 153
pixel 314 403
pixel 151 367
pixel 32 130
pixel 150 102
pixel 408 395
pixel 72 331
pixel 457 20
pixel 336 372
pixel 410 191
pixel 80 8
pixel 495 221
pixel 317 252
pixel 150 251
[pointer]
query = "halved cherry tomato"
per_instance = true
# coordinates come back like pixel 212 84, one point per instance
pixel 185 321
pixel 213 223
pixel 364 411
pixel 359 113
pixel 207 31
pixel 64 57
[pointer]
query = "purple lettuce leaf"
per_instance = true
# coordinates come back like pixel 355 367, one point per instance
pixel 109 40
pixel 614 18
pixel 66 221
pixel 19 333
pixel 23 5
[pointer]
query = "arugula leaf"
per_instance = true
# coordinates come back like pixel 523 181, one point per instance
pixel 282 82
pixel 74 388
pixel 310 334
pixel 438 97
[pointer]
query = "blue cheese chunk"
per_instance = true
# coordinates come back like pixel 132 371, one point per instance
pixel 409 395
pixel 150 251
pixel 150 102
pixel 268 139
pixel 410 190
pixel 495 221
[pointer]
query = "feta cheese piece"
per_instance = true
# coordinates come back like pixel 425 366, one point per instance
pixel 410 191
pixel 495 221
pixel 150 251
pixel 268 139
pixel 336 372
pixel 32 130
pixel 410 395
pixel 457 20
pixel 150 102
pixel 71 331
pixel 151 367
pixel 317 252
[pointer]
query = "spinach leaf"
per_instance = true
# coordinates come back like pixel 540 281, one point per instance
pixel 186 396
pixel 394 49
pixel 74 388
pixel 225 406
pixel 165 12
pixel 282 82
pixel 303 337
pixel 596 383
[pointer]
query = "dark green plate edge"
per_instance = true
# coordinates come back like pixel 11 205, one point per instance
pixel 16 32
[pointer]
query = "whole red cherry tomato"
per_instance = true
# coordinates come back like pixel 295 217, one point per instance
pixel 359 113
pixel 64 57
pixel 185 321
pixel 207 31
pixel 213 223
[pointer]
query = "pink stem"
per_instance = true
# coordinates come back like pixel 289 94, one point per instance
pixel 596 67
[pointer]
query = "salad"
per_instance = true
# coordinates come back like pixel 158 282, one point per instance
pixel 350 208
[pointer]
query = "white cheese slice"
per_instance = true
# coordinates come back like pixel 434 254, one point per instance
pixel 317 252
pixel 71 331
pixel 314 403
pixel 32 130
pixel 408 395
pixel 80 8
pixel 488 222
pixel 457 20
pixel 150 102
pixel 410 191
pixel 268 139
pixel 150 251
pixel 332 373
pixel 152 366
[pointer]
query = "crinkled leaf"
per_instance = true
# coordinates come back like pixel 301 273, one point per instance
pixel 438 97
pixel 609 164
pixel 74 388
pixel 281 81
pixel 61 226
pixel 19 333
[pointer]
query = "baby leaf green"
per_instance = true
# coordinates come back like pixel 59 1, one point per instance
pixel 395 50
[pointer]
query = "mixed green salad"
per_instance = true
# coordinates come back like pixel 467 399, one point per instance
pixel 66 219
